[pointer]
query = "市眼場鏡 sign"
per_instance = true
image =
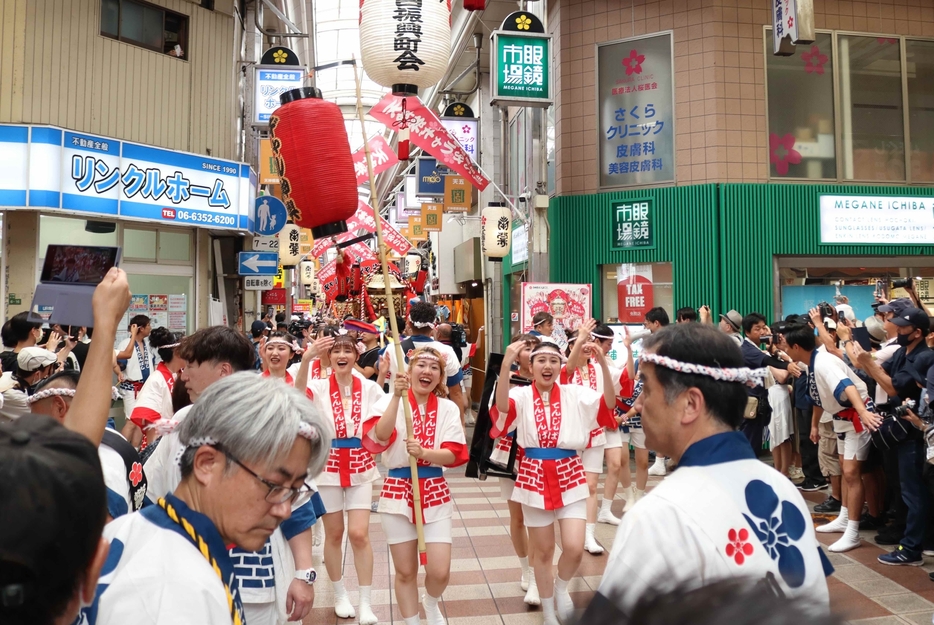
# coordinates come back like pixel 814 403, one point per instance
pixel 876 219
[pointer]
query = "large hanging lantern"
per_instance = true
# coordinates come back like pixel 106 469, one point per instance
pixel 495 231
pixel 405 45
pixel 289 245
pixel 312 152
pixel 307 271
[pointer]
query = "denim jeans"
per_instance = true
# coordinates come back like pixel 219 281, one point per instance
pixel 911 460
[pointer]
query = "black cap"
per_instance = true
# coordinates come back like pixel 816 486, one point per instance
pixel 54 506
pixel 913 317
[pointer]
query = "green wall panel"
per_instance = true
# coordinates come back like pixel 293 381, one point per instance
pixel 686 234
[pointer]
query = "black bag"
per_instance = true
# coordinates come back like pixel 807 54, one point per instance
pixel 893 431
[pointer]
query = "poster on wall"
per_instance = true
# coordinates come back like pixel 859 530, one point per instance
pixel 178 321
pixel 568 304
pixel 158 303
pixel 634 292
pixel 139 305
pixel 177 303
pixel 635 110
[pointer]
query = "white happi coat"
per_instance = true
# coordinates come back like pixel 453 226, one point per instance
pixel 444 432
pixel 353 466
pixel 722 514
pixel 594 381
pixel 552 484
pixel 154 400
pixel 828 378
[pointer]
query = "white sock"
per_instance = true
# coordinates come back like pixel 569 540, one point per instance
pixel 548 608
pixel 524 563
pixel 852 530
pixel 365 595
pixel 561 586
pixel 431 602
pixel 605 505
pixel 339 588
pixel 589 528
pixel 845 516
pixel 411 620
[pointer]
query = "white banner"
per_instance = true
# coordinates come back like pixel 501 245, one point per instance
pixel 860 219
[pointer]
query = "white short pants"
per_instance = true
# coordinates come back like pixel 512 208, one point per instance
pixel 853 445
pixel 536 517
pixel 399 530
pixel 351 498
pixel 592 458
pixel 261 613
pixel 506 486
pixel 635 436
pixel 614 438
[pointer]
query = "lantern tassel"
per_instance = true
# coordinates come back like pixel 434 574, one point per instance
pixel 403 133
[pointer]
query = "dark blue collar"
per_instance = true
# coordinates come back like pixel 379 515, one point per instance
pixel 717 449
pixel 535 333
pixel 421 338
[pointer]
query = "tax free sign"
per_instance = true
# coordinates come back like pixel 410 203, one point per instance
pixel 51 168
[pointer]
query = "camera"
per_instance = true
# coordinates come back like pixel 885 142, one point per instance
pixel 296 327
pixel 765 339
pixel 826 310
pixel 902 410
pixel 458 335
pixel 904 283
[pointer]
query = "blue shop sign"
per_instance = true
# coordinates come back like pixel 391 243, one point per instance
pixel 429 179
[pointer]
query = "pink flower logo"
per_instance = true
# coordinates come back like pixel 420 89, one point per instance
pixel 739 548
pixel 814 61
pixel 782 152
pixel 136 474
pixel 634 62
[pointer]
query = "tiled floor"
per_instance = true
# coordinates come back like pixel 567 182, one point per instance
pixel 484 587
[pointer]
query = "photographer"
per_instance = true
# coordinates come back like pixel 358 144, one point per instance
pixel 903 377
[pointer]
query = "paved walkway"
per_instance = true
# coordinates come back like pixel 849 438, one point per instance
pixel 484 587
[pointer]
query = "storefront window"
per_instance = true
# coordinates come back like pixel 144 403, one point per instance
pixel 139 244
pixel 920 62
pixel 801 111
pixel 631 290
pixel 871 109
pixel 174 246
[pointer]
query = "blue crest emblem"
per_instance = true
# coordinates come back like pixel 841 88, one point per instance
pixel 777 525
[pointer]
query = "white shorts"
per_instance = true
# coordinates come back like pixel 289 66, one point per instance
pixel 261 613
pixel 506 486
pixel 536 517
pixel 337 498
pixel 592 458
pixel 635 437
pixel 614 438
pixel 853 445
pixel 399 530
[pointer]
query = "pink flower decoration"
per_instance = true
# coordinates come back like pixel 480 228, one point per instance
pixel 782 152
pixel 634 62
pixel 739 548
pixel 814 61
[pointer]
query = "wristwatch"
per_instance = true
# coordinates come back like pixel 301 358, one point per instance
pixel 307 575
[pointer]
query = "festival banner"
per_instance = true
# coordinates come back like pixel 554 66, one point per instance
pixel 382 155
pixel 569 304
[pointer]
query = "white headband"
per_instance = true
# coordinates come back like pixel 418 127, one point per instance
pixel 743 375
pixel 304 430
pixel 426 356
pixel 64 392
pixel 594 335
pixel 169 346
pixel 549 348
pixel 535 325
pixel 421 324
pixel 294 344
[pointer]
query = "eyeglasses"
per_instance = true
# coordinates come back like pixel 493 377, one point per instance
pixel 277 494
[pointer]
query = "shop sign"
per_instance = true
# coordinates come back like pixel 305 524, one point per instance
pixel 875 219
pixel 51 168
pixel 569 304
pixel 633 224
pixel 269 82
pixel 429 180
pixel 431 217
pixel 259 283
pixel 458 194
pixel 466 131
pixel 268 170
pixel 12 300
pixel 417 230
pixel 634 292
pixel 278 281
pixel 520 244
pixel 635 110
pixel 521 69
pixel 274 297
pixel 792 22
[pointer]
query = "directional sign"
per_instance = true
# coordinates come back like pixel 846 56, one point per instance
pixel 266 244
pixel 258 263
pixel 261 283
pixel 270 215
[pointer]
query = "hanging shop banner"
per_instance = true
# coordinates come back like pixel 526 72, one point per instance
pixel 274 297
pixel 567 303
pixel 874 219
pixel 431 217
pixel 635 109
pixel 268 170
pixel 50 168
pixel 269 82
pixel 458 194
pixel 633 224
pixel 417 230
pixel 363 220
pixel 520 243
pixel 427 132
pixel 380 153
pixel 520 69
pixel 792 23
pixel 634 292
pixel 429 181
pixel 466 130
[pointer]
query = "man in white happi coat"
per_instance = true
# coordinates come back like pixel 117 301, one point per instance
pixel 722 514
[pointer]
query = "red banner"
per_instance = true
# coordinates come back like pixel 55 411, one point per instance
pixel 363 220
pixel 382 155
pixel 426 131
pixel 634 292
pixel 274 297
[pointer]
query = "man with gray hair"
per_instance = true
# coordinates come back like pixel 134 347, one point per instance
pixel 249 444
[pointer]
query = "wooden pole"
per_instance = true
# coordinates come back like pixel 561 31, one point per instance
pixel 400 357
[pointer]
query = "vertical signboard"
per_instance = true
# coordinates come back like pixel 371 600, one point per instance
pixel 521 69
pixel 431 217
pixel 635 111
pixel 269 82
pixel 458 194
pixel 633 224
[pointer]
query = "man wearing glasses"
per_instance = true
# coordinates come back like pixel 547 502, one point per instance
pixel 247 448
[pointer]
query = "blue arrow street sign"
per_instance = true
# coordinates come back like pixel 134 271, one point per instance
pixel 271 215
pixel 258 263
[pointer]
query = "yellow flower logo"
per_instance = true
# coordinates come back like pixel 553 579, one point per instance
pixel 279 56
pixel 458 109
pixel 523 22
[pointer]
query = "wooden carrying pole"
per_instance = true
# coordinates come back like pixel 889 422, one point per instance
pixel 400 357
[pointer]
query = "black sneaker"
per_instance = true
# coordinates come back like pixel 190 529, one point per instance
pixel 810 486
pixel 871 523
pixel 890 536
pixel 830 505
pixel 901 557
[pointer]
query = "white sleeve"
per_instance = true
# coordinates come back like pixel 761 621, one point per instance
pixel 162 472
pixel 451 367
pixel 186 599
pixel 450 430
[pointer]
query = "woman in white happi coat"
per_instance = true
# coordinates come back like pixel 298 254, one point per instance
pixel 500 455
pixel 582 371
pixel 347 481
pixel 277 352
pixel 553 423
pixel 438 441
pixel 154 401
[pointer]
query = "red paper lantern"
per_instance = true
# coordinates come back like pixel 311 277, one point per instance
pixel 312 152
pixel 474 5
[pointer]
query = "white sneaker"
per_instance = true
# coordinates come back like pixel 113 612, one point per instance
pixel 524 580
pixel 837 525
pixel 366 615
pixel 845 543
pixel 564 607
pixel 343 608
pixel 658 469
pixel 532 597
pixel 606 516
pixel 590 543
pixel 630 496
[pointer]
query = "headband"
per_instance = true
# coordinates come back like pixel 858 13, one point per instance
pixel 304 430
pixel 535 325
pixel 63 392
pixel 426 356
pixel 743 375
pixel 169 346
pixel 421 324
pixel 594 335
pixel 549 347
pixel 294 344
